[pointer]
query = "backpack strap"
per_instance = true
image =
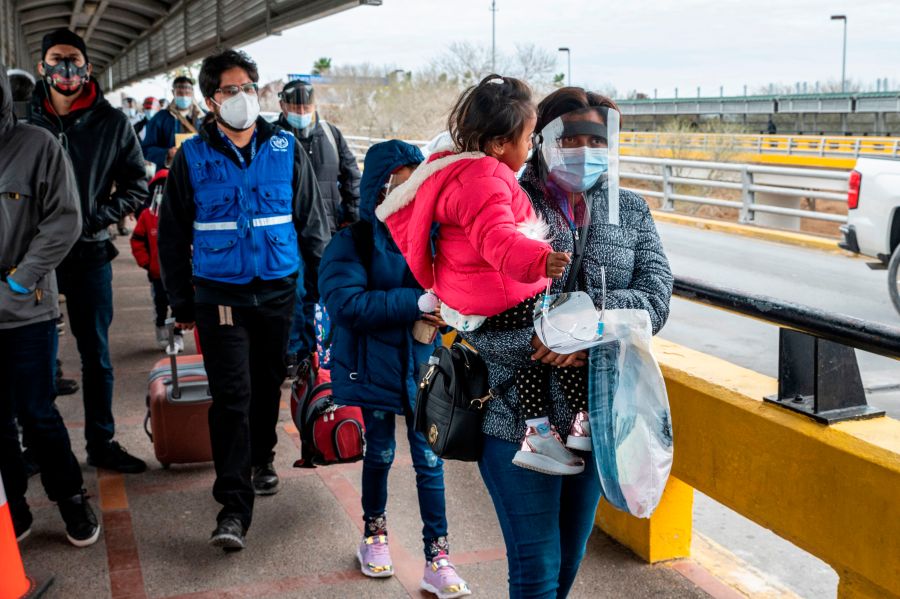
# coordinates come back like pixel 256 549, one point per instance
pixel 329 134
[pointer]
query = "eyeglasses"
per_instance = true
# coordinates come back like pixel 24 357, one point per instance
pixel 229 91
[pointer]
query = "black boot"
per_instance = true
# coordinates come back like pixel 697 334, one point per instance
pixel 114 457
pixel 229 534
pixel 265 479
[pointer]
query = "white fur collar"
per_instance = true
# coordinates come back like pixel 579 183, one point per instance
pixel 405 193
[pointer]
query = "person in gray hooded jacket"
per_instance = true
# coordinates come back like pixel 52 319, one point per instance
pixel 40 220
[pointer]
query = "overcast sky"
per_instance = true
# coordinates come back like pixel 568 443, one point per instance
pixel 625 44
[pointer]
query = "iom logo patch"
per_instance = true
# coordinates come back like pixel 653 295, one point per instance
pixel 279 144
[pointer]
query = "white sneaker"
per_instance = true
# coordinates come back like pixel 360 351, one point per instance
pixel 179 344
pixel 543 451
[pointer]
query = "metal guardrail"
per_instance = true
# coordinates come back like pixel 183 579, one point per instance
pixel 787 145
pixel 791 182
pixel 818 374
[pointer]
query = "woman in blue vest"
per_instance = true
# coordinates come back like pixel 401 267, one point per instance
pixel 241 218
pixel 374 302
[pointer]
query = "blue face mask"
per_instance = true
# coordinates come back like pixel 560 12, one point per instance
pixel 183 102
pixel 299 121
pixel 581 168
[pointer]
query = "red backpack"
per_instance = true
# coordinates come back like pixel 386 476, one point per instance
pixel 329 433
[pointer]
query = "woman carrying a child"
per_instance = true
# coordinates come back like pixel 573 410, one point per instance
pixel 497 245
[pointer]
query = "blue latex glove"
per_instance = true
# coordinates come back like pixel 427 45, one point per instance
pixel 16 287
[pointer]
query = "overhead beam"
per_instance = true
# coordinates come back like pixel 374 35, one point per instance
pixel 95 18
pixel 38 14
pixel 76 11
pixel 152 9
pixel 125 17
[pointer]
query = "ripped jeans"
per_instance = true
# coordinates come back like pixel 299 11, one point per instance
pixel 380 449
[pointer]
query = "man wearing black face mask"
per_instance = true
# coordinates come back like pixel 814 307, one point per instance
pixel 104 151
pixel 241 221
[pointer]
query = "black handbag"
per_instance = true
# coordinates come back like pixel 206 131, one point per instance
pixel 452 394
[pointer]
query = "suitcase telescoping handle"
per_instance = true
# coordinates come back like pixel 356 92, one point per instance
pixel 173 353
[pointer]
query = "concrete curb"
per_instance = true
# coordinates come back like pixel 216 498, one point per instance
pixel 786 237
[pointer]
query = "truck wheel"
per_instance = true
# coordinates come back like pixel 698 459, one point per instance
pixel 894 278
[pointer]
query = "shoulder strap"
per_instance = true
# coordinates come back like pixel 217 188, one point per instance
pixel 326 127
pixel 363 240
pixel 580 242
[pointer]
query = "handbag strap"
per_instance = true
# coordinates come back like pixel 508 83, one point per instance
pixel 580 242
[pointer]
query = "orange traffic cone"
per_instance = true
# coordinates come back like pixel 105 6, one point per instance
pixel 14 584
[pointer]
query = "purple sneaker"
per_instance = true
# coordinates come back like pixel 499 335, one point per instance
pixel 375 557
pixel 441 579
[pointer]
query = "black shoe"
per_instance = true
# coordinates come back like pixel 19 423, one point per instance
pixel 22 520
pixel 229 534
pixel 265 479
pixel 114 457
pixel 66 386
pixel 31 466
pixel 82 528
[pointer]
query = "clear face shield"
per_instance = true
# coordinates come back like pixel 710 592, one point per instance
pixel 569 322
pixel 580 152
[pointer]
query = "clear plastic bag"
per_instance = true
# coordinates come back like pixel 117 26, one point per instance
pixel 631 424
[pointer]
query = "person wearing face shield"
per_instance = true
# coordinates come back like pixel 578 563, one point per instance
pixel 574 170
pixel 334 163
pixel 241 224
pixel 182 115
pixel 109 169
pixel 338 176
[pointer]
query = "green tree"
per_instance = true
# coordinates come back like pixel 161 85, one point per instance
pixel 321 66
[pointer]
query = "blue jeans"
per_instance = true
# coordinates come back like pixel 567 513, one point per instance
pixel 27 372
pixel 546 520
pixel 380 449
pixel 89 303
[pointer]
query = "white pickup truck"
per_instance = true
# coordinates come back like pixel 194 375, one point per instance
pixel 873 218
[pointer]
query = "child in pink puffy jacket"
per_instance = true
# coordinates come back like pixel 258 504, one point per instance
pixel 490 262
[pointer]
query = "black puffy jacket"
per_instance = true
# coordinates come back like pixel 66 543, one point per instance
pixel 104 151
pixel 336 171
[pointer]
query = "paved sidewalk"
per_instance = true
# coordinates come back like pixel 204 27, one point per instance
pixel 302 542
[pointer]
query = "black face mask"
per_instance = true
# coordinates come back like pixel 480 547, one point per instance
pixel 63 71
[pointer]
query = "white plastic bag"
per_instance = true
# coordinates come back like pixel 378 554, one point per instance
pixel 631 425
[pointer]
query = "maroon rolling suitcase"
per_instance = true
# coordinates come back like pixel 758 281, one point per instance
pixel 178 403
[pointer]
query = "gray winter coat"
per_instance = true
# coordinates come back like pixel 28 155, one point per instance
pixel 637 276
pixel 40 218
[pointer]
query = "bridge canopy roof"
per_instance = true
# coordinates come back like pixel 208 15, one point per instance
pixel 129 40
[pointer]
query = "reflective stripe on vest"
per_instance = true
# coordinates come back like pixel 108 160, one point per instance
pixel 232 225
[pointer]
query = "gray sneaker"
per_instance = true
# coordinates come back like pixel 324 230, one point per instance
pixel 543 451
pixel 162 337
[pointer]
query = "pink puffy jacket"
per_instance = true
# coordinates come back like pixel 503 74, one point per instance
pixel 490 251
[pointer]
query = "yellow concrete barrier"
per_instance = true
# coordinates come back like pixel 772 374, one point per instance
pixel 832 491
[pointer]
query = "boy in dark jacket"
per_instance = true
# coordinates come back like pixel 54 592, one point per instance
pixel 109 170
pixel 374 303
pixel 145 249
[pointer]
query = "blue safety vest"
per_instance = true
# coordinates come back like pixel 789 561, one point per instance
pixel 244 225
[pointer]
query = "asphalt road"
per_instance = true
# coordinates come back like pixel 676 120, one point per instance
pixel 830 281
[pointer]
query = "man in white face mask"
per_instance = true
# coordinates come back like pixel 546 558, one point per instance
pixel 241 226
